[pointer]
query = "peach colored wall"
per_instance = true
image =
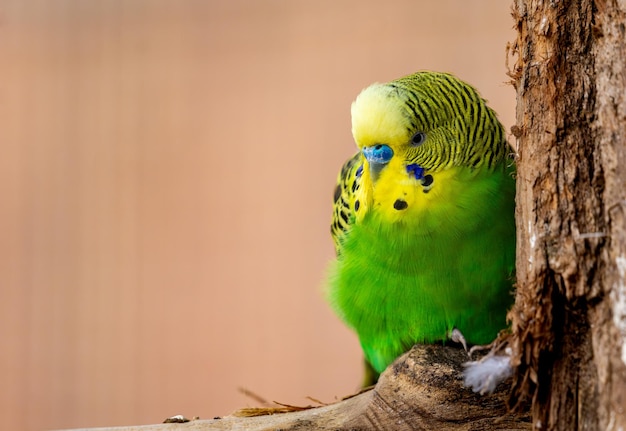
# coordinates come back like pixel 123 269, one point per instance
pixel 165 192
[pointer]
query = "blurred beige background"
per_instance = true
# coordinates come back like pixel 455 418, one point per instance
pixel 166 179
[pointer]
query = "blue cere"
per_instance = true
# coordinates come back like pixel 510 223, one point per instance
pixel 415 170
pixel 378 154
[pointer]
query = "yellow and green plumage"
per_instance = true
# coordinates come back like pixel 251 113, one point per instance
pixel 423 219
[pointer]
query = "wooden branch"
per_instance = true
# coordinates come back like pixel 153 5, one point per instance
pixel 422 390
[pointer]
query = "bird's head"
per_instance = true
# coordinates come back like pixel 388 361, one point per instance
pixel 417 132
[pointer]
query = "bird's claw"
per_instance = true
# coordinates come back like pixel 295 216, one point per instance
pixel 457 337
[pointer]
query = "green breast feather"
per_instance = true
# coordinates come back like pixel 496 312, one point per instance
pixel 423 218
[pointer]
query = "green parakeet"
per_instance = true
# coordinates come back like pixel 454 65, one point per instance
pixel 423 218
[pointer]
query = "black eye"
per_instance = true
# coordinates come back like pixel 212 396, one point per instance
pixel 418 139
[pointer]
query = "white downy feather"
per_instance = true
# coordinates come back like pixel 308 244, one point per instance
pixel 485 374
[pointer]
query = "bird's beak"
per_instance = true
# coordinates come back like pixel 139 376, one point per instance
pixel 377 156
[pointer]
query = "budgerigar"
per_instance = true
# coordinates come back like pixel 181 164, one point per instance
pixel 423 218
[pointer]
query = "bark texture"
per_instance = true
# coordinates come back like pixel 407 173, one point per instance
pixel 422 390
pixel 569 317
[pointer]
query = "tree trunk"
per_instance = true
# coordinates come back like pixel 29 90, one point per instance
pixel 569 320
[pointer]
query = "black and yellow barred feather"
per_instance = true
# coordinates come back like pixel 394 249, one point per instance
pixel 344 207
pixel 432 99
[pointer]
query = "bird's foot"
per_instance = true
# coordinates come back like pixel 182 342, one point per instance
pixel 479 348
pixel 457 337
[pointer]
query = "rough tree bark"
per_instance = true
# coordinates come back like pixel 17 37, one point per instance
pixel 569 320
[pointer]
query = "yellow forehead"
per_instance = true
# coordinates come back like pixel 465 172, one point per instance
pixel 378 117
